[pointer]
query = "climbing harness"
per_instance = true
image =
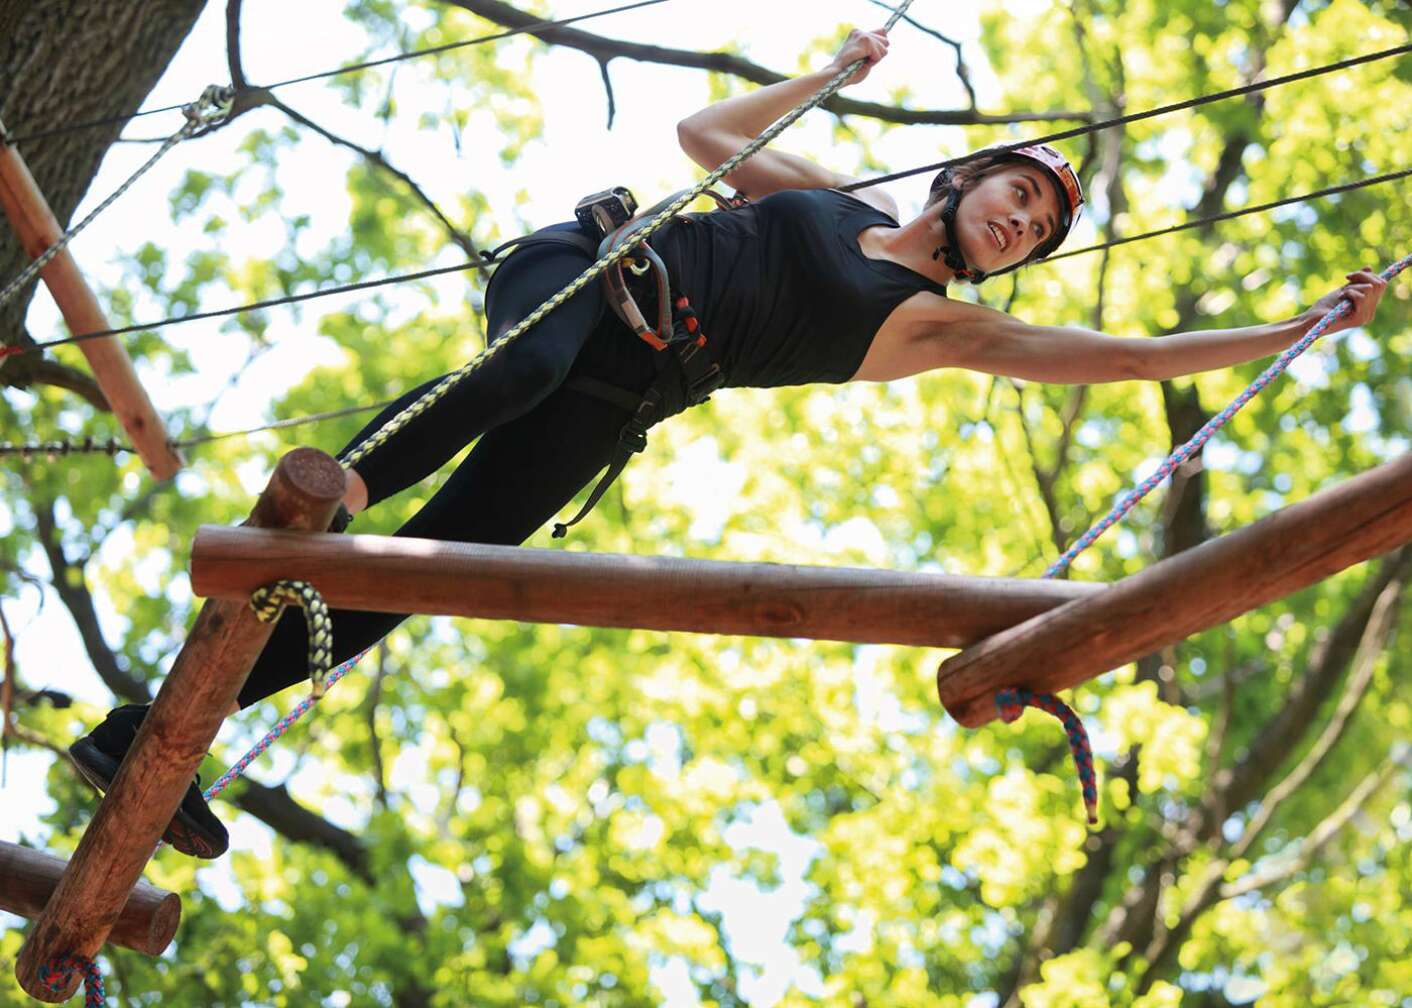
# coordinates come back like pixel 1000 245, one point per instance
pixel 688 375
pixel 202 116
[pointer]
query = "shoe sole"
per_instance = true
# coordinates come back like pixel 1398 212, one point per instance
pixel 183 833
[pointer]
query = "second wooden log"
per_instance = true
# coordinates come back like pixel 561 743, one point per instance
pixel 28 877
pixel 1185 594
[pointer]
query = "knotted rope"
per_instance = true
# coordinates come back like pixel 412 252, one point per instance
pixel 269 601
pixel 1010 703
pixel 57 974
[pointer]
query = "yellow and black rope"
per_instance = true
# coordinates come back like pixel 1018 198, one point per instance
pixel 269 601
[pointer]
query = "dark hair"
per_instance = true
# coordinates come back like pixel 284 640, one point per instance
pixel 967 174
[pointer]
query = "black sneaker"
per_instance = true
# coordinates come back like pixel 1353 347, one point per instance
pixel 194 830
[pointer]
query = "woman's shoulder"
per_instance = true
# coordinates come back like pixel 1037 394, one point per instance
pixel 834 199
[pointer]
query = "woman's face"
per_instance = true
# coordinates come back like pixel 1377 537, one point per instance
pixel 1008 214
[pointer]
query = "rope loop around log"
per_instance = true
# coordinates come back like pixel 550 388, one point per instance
pixel 57 974
pixel 269 602
pixel 1012 703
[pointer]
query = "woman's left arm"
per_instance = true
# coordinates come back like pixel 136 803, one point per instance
pixel 996 343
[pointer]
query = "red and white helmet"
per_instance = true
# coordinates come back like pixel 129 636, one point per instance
pixel 1066 184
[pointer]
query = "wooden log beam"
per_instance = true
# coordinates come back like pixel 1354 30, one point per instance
pixel 37 230
pixel 193 701
pixel 1185 594
pixel 402 575
pixel 28 877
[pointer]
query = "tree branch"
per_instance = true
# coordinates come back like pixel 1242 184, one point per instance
pixel 25 370
pixel 962 73
pixel 1271 745
pixel 604 49
pixel 376 159
pixel 1319 836
pixel 277 809
pixel 72 587
pixel 1207 893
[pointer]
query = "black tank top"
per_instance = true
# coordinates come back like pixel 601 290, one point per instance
pixel 785 294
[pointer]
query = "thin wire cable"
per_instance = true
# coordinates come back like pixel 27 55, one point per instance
pixel 351 68
pixel 201 115
pixel 192 442
pixel 473 264
pixel 1231 214
pixel 1138 116
pixel 112 446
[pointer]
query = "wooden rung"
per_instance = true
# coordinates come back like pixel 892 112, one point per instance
pixel 38 230
pixel 1185 594
pixel 394 574
pixel 28 877
pixel 193 701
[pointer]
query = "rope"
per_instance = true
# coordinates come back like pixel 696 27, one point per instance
pixel 1175 460
pixel 112 446
pixel 56 976
pixel 282 726
pixel 351 68
pixel 270 600
pixel 201 115
pixel 637 238
pixel 54 449
pixel 474 264
pixel 1010 702
pixel 1147 114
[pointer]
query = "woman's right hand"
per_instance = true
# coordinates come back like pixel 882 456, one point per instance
pixel 871 46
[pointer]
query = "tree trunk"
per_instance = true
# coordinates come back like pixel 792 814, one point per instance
pixel 73 61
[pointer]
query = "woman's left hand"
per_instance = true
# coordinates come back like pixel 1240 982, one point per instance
pixel 1364 290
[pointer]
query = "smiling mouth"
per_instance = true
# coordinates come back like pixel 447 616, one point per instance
pixel 999 236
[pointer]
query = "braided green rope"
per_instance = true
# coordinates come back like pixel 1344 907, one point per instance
pixel 423 404
pixel 269 601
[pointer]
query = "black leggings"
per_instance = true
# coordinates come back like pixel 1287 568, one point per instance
pixel 540 443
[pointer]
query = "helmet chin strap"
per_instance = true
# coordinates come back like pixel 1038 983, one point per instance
pixel 952 249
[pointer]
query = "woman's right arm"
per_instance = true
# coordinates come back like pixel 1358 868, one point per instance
pixel 718 131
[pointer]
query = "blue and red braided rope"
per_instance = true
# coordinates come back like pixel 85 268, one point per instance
pixel 1012 702
pixel 56 975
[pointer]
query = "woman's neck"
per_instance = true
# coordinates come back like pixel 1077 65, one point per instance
pixel 912 245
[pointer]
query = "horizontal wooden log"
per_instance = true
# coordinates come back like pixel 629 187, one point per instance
pixel 37 229
pixel 1185 594
pixel 193 701
pixel 391 574
pixel 28 877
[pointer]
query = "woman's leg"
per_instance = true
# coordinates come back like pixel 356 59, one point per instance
pixel 509 384
pixel 515 479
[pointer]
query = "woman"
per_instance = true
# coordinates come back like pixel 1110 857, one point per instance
pixel 805 284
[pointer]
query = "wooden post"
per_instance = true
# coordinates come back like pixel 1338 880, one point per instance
pixel 404 575
pixel 37 229
pixel 1192 591
pixel 28 877
pixel 193 701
